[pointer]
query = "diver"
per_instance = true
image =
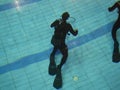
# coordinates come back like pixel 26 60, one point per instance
pixel 62 28
pixel 116 26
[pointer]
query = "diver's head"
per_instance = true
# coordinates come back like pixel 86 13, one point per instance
pixel 65 16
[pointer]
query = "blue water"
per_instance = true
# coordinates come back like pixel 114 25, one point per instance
pixel 25 46
pixel 44 55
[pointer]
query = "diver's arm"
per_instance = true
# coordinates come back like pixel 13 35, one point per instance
pixel 55 23
pixel 74 32
pixel 113 7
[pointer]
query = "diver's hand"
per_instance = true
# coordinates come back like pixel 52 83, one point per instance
pixel 76 32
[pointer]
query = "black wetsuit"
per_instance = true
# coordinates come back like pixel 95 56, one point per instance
pixel 58 40
pixel 116 26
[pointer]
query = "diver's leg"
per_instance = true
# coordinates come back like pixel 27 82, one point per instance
pixel 58 79
pixel 64 52
pixel 114 31
pixel 52 64
pixel 116 56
